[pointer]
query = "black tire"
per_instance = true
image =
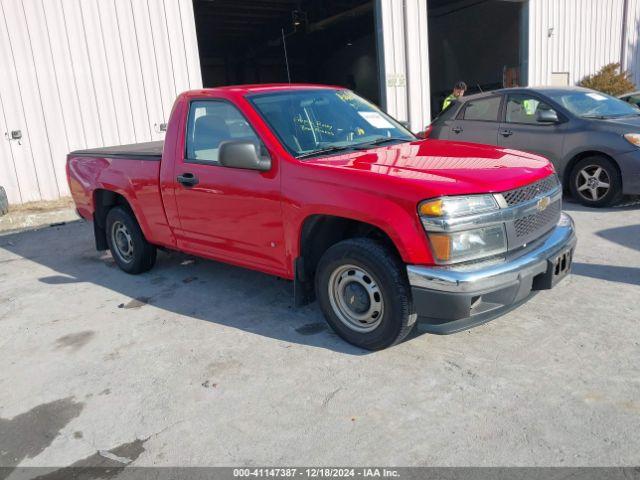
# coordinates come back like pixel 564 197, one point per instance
pixel 130 250
pixel 609 174
pixel 389 281
pixel 4 202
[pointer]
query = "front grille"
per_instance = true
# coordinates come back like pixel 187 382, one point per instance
pixel 539 222
pixel 531 191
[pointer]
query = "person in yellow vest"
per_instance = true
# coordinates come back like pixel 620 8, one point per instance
pixel 458 91
pixel 529 105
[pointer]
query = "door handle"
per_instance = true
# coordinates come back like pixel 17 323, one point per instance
pixel 457 129
pixel 506 133
pixel 187 179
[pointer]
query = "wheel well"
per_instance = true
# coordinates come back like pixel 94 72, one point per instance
pixel 319 233
pixel 589 153
pixel 103 201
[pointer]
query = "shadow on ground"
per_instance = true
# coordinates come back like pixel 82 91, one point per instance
pixel 28 434
pixel 195 287
pixel 628 203
pixel 611 273
pixel 627 236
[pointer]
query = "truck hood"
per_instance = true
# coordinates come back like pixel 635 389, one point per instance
pixel 451 168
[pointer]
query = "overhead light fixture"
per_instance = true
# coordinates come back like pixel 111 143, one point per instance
pixel 298 17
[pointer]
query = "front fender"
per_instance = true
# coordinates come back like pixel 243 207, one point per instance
pixel 397 219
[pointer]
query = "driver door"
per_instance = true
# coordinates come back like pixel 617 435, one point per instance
pixel 477 121
pixel 522 129
pixel 227 213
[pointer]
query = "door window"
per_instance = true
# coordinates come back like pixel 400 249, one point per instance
pixel 524 109
pixel 633 100
pixel 485 109
pixel 211 122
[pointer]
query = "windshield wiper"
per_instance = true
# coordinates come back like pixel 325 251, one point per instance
pixel 608 117
pixel 333 148
pixel 379 141
pixel 357 146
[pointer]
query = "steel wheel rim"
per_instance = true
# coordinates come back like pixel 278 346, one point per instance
pixel 356 298
pixel 122 242
pixel 593 183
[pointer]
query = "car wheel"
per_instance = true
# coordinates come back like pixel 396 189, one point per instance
pixel 4 202
pixel 364 294
pixel 130 250
pixel 596 182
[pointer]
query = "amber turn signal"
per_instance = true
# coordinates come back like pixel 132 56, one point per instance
pixel 441 245
pixel 432 208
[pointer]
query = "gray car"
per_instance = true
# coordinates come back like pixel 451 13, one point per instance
pixel 592 139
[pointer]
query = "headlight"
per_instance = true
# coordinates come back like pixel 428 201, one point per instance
pixel 458 206
pixel 632 138
pixel 469 244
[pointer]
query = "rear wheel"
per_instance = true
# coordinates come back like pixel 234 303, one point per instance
pixel 364 294
pixel 130 250
pixel 595 182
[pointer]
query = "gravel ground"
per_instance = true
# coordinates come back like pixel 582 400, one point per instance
pixel 200 363
pixel 36 214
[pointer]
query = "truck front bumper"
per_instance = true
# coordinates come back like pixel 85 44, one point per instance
pixel 450 299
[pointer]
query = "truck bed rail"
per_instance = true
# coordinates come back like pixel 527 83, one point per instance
pixel 151 151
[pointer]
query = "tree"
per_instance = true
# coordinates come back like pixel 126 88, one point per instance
pixel 609 80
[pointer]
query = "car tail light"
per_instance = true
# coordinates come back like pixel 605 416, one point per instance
pixel 426 132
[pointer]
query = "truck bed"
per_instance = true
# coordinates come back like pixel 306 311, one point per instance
pixel 151 151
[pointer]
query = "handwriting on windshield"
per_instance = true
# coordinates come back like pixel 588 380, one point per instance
pixel 316 126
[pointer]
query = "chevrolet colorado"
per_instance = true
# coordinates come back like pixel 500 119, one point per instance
pixel 316 185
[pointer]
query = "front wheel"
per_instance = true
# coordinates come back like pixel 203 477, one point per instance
pixel 596 182
pixel 130 250
pixel 364 294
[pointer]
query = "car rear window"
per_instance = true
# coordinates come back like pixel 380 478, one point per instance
pixel 485 109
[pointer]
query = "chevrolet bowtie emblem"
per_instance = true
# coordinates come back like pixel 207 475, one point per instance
pixel 543 203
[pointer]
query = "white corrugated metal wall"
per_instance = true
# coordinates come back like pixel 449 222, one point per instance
pixel 578 37
pixel 404 60
pixel 86 73
pixel 631 52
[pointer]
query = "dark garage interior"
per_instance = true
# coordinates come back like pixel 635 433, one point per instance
pixel 330 42
pixel 482 42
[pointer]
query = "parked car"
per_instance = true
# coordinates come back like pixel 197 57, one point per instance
pixel 633 98
pixel 592 139
pixel 318 186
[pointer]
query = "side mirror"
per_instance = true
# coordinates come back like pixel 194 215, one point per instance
pixel 243 154
pixel 426 132
pixel 547 116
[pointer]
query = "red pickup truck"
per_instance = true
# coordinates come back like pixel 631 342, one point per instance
pixel 316 185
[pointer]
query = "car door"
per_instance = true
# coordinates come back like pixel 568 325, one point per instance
pixel 528 126
pixel 227 213
pixel 477 121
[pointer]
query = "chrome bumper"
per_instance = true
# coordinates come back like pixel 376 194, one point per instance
pixel 496 276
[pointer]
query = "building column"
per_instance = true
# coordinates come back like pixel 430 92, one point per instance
pixel 403 59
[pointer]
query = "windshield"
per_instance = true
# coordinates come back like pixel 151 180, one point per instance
pixel 315 122
pixel 594 105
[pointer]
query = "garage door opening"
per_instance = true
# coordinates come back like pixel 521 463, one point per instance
pixel 332 42
pixel 482 42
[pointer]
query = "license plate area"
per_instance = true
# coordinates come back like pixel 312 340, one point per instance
pixel 557 268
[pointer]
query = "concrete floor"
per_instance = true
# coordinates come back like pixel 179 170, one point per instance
pixel 200 363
